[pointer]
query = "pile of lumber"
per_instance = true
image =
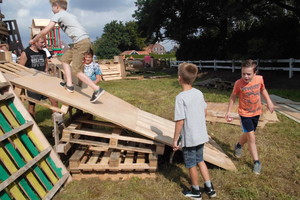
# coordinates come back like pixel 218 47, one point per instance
pixel 216 113
pixel 287 107
pixel 113 70
pixel 216 83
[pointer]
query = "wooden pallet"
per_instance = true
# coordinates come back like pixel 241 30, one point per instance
pixel 29 167
pixel 85 160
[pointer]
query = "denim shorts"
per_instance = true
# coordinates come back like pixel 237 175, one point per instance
pixel 249 123
pixel 192 155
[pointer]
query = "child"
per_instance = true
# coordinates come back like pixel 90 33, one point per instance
pixel 92 69
pixel 70 25
pixel 34 57
pixel 190 111
pixel 248 89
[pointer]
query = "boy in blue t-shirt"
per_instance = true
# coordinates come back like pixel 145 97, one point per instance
pixel 190 111
pixel 91 68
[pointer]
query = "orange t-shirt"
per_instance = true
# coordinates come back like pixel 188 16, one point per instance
pixel 249 96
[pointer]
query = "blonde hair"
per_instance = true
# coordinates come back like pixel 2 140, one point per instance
pixel 61 3
pixel 188 72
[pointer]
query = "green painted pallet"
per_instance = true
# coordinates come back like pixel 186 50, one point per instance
pixel 29 167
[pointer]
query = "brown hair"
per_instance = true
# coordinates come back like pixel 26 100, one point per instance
pixel 89 52
pixel 61 3
pixel 188 72
pixel 250 63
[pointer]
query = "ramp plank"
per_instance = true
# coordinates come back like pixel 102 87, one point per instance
pixel 115 110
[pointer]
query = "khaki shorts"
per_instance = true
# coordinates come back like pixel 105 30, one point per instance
pixel 76 55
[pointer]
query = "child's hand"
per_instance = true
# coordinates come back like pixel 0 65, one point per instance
pixel 31 42
pixel 175 146
pixel 270 106
pixel 228 118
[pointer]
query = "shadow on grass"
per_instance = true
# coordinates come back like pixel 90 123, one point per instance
pixel 171 171
pixel 226 148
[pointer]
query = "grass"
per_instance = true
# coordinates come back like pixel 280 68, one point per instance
pixel 278 146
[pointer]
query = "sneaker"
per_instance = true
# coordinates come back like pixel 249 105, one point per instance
pixel 68 88
pixel 194 194
pixel 257 168
pixel 96 95
pixel 238 151
pixel 210 191
pixel 63 84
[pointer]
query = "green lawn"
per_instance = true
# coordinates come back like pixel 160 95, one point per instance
pixel 278 146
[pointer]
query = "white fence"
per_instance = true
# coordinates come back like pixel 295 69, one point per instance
pixel 291 65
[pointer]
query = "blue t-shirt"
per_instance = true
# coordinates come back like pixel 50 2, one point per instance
pixel 92 70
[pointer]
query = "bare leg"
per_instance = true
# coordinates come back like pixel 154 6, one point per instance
pixel 252 145
pixel 53 103
pixel 68 74
pixel 194 175
pixel 31 110
pixel 84 78
pixel 204 171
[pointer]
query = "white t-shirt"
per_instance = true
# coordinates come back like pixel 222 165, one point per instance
pixel 70 25
pixel 190 106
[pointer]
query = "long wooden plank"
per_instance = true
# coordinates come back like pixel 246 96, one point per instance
pixel 112 109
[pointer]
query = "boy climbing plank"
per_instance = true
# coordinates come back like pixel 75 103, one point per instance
pixel 71 26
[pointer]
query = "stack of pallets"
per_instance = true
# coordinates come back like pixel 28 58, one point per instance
pixel 105 150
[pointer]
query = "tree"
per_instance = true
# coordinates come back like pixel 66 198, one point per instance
pixel 117 38
pixel 199 25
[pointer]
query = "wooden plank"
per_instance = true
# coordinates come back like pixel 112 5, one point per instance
pixel 26 155
pixel 12 168
pixel 98 123
pixel 38 147
pixel 114 159
pixel 16 130
pixel 13 187
pixel 31 148
pixel 106 134
pixel 102 144
pixel 47 105
pixel 22 170
pixel 75 159
pixel 56 187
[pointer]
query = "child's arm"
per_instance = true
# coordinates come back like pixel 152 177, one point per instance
pixel 178 127
pixel 98 79
pixel 231 102
pixel 266 96
pixel 23 58
pixel 43 32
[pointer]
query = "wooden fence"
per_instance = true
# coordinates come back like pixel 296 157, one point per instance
pixel 291 65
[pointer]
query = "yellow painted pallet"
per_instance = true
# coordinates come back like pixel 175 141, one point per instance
pixel 29 167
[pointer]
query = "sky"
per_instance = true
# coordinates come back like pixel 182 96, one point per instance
pixel 93 15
